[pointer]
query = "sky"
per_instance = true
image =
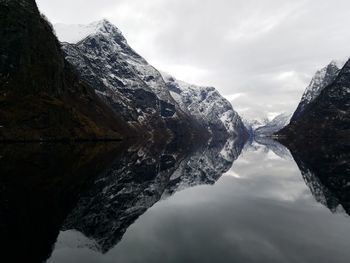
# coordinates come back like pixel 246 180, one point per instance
pixel 259 54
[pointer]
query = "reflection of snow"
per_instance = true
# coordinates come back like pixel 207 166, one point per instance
pixel 75 239
pixel 232 174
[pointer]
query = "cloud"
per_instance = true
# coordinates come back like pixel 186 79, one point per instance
pixel 234 96
pixel 267 50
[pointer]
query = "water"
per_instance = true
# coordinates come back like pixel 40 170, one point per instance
pixel 227 202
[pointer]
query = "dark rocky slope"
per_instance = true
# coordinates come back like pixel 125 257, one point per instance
pixel 327 115
pixel 41 96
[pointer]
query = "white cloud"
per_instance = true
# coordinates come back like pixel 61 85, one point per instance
pixel 234 96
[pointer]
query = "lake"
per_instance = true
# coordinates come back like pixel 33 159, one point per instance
pixel 230 201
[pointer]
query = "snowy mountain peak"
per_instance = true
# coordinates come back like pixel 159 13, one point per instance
pixel 338 63
pixel 321 79
pixel 74 33
pixel 273 126
pixel 207 105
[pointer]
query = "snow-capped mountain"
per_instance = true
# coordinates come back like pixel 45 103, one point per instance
pixel 274 125
pixel 321 79
pixel 206 104
pixel 252 125
pixel 42 96
pixel 328 114
pixel 123 79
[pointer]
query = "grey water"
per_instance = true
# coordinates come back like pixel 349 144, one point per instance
pixel 228 202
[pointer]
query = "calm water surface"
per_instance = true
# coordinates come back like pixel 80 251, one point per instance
pixel 260 210
pixel 221 203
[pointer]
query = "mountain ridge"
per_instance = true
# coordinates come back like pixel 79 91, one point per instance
pixel 42 96
pixel 327 115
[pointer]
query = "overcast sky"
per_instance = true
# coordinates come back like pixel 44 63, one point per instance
pixel 260 54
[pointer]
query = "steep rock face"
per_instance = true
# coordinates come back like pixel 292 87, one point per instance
pixel 327 115
pixel 322 79
pixel 206 104
pixel 41 96
pixel 273 126
pixel 124 80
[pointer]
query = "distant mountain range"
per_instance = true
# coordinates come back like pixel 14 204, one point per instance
pixel 276 124
pixel 266 127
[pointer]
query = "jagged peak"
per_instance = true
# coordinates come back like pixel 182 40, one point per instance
pixel 105 26
pixel 184 85
pixel 74 33
pixel 338 63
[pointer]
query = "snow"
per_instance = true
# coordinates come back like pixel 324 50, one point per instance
pixel 73 33
pixel 321 79
pixel 205 103
pixel 75 239
pixel 273 126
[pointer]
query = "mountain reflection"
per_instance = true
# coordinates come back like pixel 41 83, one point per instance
pixel 140 179
pixel 39 185
pixel 98 190
pixel 94 192
pixel 325 167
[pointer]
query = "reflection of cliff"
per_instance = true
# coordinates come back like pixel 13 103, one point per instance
pixel 39 185
pixel 325 167
pixel 320 192
pixel 139 180
pixel 119 196
pixel 274 146
pixel 205 166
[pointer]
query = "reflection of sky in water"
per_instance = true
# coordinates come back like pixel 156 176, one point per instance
pixel 260 211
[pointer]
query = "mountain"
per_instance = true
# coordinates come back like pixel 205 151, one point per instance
pixel 42 97
pixel 328 114
pixel 125 80
pixel 209 108
pixel 252 125
pixel 321 79
pixel 273 126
